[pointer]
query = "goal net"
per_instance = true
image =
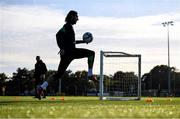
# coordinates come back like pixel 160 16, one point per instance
pixel 120 76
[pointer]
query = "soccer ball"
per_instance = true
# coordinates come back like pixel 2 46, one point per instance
pixel 87 37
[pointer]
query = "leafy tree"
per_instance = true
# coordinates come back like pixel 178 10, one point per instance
pixel 157 79
pixel 118 79
pixel 3 77
pixel 176 84
pixel 128 76
pixel 22 82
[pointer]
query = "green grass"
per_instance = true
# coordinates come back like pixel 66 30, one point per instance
pixel 87 107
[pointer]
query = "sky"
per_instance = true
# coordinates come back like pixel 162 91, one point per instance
pixel 28 29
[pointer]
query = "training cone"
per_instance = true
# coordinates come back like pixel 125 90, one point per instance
pixel 149 100
pixel 62 98
pixel 53 98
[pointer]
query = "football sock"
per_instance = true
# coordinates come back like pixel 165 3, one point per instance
pixel 90 72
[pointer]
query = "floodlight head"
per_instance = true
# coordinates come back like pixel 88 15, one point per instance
pixel 163 24
pixel 171 22
pixel 168 23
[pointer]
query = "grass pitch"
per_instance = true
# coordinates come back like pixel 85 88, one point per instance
pixel 87 107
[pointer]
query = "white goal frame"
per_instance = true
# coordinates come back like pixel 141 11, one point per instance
pixel 112 54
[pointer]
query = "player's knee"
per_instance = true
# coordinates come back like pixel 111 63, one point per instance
pixel 92 53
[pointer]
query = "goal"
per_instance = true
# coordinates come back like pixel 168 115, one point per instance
pixel 120 76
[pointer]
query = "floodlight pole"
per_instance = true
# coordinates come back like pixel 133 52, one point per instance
pixel 166 24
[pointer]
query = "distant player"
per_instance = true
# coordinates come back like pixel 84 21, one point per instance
pixel 39 74
pixel 66 41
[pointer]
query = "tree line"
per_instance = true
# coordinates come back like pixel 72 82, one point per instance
pixel 22 82
pixel 154 83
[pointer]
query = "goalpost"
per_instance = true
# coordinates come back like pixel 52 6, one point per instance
pixel 120 76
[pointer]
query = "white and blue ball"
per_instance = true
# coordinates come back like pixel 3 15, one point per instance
pixel 87 37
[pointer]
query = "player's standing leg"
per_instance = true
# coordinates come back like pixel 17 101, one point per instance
pixel 64 63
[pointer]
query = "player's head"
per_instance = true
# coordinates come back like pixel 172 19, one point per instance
pixel 38 58
pixel 72 17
